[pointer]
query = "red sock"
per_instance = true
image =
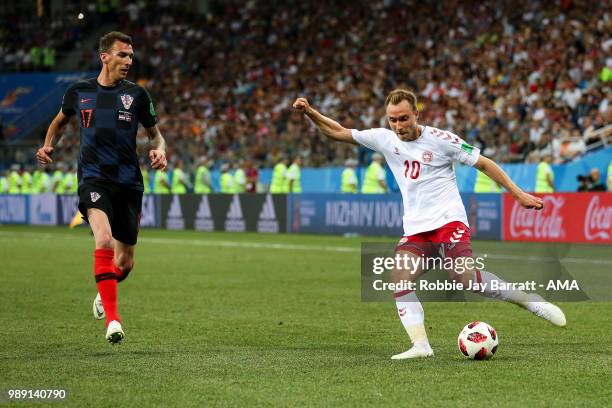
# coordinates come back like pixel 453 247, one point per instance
pixel 121 275
pixel 118 272
pixel 106 280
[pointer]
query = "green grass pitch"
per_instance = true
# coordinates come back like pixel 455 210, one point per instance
pixel 219 319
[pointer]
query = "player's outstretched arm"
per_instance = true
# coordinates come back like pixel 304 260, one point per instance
pixel 43 155
pixel 498 175
pixel 158 152
pixel 327 126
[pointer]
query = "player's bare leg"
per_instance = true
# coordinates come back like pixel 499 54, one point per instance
pixel 105 272
pixel 124 263
pixel 410 311
pixel 124 259
pixel 530 301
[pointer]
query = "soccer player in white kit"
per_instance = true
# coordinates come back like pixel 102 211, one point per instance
pixel 435 223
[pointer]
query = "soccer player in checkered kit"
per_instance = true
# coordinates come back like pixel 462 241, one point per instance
pixel 435 223
pixel 109 109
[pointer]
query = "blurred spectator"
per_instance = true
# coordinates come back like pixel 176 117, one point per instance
pixel 252 176
pixel 26 180
pixel 591 182
pixel 48 58
pixel 227 181
pixel 161 184
pixel 202 181
pixel 279 177
pixel 294 176
pixel 349 178
pixel 70 182
pixel 4 182
pixel 374 180
pixel 240 180
pixel 14 179
pixel 544 175
pixel 180 180
pixel 57 185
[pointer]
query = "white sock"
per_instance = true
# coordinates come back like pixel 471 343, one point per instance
pixel 515 296
pixel 412 316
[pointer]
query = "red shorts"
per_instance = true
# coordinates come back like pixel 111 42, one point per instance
pixel 452 240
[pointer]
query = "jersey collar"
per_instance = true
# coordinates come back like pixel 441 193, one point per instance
pixel 109 87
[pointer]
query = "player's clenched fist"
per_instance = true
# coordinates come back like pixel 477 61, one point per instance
pixel 43 155
pixel 158 159
pixel 302 105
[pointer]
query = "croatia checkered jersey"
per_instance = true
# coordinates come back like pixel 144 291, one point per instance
pixel 108 118
pixel 424 172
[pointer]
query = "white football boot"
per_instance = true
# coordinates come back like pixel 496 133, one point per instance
pixel 414 352
pixel 98 308
pixel 114 332
pixel 546 310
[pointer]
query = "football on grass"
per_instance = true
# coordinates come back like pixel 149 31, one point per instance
pixel 478 341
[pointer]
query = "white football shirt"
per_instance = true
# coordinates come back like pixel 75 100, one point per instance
pixel 424 173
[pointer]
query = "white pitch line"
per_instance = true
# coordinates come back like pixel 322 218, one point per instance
pixel 296 247
pixel 196 242
pixel 240 244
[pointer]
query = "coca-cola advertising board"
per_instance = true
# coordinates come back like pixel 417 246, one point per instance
pixel 566 217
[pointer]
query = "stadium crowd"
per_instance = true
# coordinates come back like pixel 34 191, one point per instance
pixel 35 34
pixel 30 44
pixel 518 79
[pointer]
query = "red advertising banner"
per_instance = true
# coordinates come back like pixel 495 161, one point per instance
pixel 566 217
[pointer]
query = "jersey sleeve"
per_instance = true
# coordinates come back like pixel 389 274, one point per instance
pixel 146 110
pixel 458 150
pixel 69 101
pixel 370 138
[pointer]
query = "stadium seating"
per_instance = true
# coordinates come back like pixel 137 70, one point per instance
pixel 517 81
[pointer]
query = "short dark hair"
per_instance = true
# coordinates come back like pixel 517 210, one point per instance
pixel 398 95
pixel 107 40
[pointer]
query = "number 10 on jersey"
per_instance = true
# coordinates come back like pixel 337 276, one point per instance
pixel 414 168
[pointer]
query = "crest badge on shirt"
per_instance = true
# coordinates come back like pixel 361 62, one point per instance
pixel 427 156
pixel 127 100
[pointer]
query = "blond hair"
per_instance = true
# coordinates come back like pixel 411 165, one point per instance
pixel 398 95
